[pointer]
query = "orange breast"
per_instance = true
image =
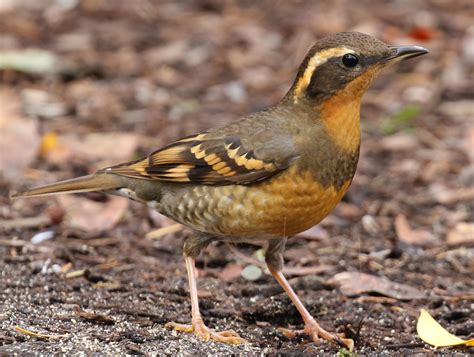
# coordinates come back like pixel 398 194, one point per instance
pixel 283 206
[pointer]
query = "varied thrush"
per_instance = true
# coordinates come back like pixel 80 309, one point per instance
pixel 267 176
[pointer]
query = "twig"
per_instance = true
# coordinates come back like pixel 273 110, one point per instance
pixel 14 242
pixel 303 271
pixel 22 223
pixel 98 242
pixel 75 274
pixel 37 334
pixel 158 233
pixel 405 345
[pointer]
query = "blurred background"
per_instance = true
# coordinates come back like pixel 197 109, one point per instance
pixel 85 84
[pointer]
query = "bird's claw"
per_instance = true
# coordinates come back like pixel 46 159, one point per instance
pixel 317 333
pixel 229 337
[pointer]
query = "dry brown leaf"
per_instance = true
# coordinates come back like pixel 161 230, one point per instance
pixel 355 283
pixel 19 138
pixel 411 236
pixel 160 220
pixel 101 319
pixel 314 233
pixel 348 211
pixel 230 272
pixel 91 216
pixel 461 233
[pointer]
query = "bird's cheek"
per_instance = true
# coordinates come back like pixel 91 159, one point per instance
pixel 360 85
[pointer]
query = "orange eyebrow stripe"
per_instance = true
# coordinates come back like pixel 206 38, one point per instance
pixel 318 59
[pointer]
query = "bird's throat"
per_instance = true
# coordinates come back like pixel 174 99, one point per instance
pixel 340 116
pixel 340 113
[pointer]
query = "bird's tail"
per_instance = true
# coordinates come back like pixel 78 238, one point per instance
pixel 89 183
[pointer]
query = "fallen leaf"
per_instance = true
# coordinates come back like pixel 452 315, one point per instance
pixel 411 236
pixel 159 220
pixel 314 233
pixel 430 331
pixel 230 272
pixel 91 216
pixel 102 319
pixel 348 210
pixel 49 142
pixel 422 33
pixel 461 233
pixel 355 283
pixel 18 137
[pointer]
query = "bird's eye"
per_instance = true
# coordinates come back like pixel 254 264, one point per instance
pixel 350 60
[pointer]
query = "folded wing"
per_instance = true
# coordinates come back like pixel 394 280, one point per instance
pixel 205 159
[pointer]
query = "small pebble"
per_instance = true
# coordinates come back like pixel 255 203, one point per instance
pixel 42 236
pixel 251 272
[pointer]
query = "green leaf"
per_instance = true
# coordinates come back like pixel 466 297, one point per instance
pixel 403 120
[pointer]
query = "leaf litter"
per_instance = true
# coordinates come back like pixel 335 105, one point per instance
pixel 416 163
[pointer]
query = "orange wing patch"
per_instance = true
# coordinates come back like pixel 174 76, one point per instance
pixel 201 159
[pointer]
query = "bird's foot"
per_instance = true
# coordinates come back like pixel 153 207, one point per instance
pixel 229 337
pixel 317 333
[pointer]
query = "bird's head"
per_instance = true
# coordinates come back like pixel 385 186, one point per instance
pixel 345 63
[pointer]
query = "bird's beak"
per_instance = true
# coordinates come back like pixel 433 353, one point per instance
pixel 399 53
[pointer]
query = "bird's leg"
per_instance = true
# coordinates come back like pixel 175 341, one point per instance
pixel 191 249
pixel 274 260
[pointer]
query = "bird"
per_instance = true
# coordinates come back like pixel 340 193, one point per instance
pixel 266 177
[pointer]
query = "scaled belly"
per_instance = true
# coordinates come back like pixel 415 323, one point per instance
pixel 283 206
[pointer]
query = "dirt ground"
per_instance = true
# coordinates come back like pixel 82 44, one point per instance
pixel 117 79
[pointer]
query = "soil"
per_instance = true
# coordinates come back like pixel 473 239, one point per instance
pixel 152 71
